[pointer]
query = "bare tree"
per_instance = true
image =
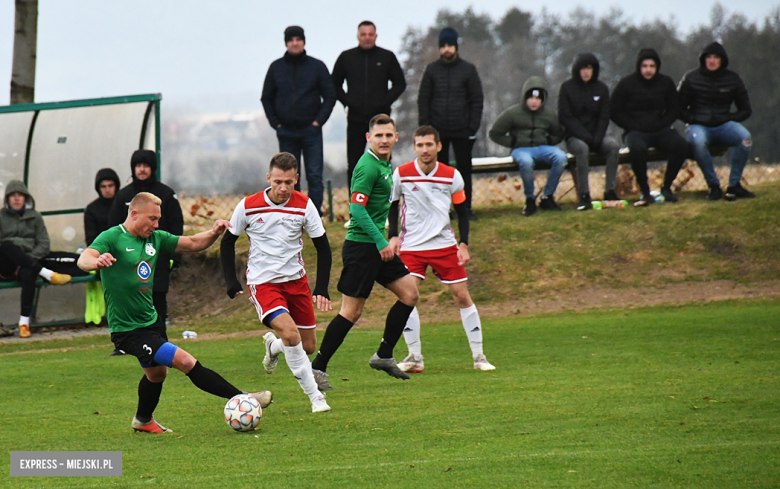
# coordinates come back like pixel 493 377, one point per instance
pixel 25 47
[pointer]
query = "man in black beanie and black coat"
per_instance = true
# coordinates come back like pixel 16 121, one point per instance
pixel 451 101
pixel 144 168
pixel 645 105
pixel 96 213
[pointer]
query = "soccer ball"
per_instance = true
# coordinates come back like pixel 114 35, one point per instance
pixel 243 412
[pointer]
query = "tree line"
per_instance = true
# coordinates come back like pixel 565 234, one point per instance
pixel 509 50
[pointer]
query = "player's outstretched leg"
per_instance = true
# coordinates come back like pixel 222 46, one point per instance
pixel 334 336
pixel 405 288
pixel 148 398
pixel 273 347
pixel 413 363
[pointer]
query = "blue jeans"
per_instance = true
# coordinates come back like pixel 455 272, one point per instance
pixel 308 140
pixel 729 134
pixel 525 159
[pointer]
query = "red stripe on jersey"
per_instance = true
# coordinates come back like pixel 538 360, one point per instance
pixel 445 171
pixel 445 181
pixel 358 198
pixel 283 210
pixel 297 201
pixel 408 170
pixel 254 201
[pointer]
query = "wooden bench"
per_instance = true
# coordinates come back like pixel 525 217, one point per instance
pixel 39 284
pixel 495 164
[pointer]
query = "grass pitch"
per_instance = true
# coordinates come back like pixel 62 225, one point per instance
pixel 656 397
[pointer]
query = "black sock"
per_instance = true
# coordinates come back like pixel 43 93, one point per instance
pixel 148 397
pixel 334 336
pixel 394 328
pixel 209 381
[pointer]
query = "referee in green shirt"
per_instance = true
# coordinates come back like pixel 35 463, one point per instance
pixel 368 257
pixel 127 255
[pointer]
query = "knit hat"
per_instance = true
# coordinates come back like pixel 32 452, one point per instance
pixel 448 35
pixel 293 31
pixel 535 92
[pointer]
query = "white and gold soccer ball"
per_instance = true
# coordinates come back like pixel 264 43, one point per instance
pixel 243 413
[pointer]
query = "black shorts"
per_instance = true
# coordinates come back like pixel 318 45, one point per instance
pixel 363 266
pixel 142 343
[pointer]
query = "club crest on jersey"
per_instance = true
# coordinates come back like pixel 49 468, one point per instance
pixel 149 249
pixel 144 271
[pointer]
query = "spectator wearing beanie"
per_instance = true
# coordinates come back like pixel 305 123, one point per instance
pixel 298 97
pixel 451 100
pixel 644 104
pixel 143 165
pixel 367 69
pixel 531 131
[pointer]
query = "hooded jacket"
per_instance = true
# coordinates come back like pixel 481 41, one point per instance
pixel 519 127
pixel 96 213
pixel 644 105
pixel 450 98
pixel 583 108
pixel 25 230
pixel 297 91
pixel 367 72
pixel 171 219
pixel 706 96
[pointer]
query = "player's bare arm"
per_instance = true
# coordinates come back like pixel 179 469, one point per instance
pixel 203 240
pixel 91 260
pixel 463 254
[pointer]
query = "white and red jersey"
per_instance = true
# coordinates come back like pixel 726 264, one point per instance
pixel 425 211
pixel 275 232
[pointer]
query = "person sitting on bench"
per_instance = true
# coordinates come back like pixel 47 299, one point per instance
pixel 24 241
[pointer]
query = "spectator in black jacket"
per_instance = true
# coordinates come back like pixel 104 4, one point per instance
pixel 96 213
pixel 143 165
pixel 583 109
pixel 645 105
pixel 451 100
pixel 298 97
pixel 367 70
pixel 706 96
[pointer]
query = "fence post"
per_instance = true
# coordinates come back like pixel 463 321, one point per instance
pixel 330 202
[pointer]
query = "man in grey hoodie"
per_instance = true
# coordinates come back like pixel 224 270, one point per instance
pixel 24 241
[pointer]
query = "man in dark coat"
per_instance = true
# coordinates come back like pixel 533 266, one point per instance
pixel 367 69
pixel 96 213
pixel 143 164
pixel 706 96
pixel 298 97
pixel 645 105
pixel 583 109
pixel 451 101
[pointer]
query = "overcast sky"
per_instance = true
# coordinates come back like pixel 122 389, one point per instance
pixel 194 51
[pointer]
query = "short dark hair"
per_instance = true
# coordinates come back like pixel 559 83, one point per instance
pixel 380 119
pixel 366 23
pixel 284 162
pixel 426 131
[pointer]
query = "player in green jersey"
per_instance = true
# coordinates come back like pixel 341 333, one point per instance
pixel 127 255
pixel 369 258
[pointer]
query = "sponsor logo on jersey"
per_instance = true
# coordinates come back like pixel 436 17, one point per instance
pixel 260 221
pixel 415 189
pixel 129 249
pixel 150 249
pixel 144 271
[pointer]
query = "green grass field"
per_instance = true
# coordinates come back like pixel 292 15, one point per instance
pixel 656 397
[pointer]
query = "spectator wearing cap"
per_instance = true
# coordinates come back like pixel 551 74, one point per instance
pixel 583 109
pixel 143 165
pixel 24 241
pixel 368 70
pixel 706 96
pixel 644 104
pixel 531 130
pixel 298 97
pixel 451 100
pixel 96 213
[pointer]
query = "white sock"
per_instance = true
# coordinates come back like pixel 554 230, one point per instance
pixel 45 273
pixel 412 333
pixel 24 320
pixel 277 347
pixel 300 366
pixel 473 326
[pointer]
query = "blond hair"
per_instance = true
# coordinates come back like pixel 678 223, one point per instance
pixel 143 198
